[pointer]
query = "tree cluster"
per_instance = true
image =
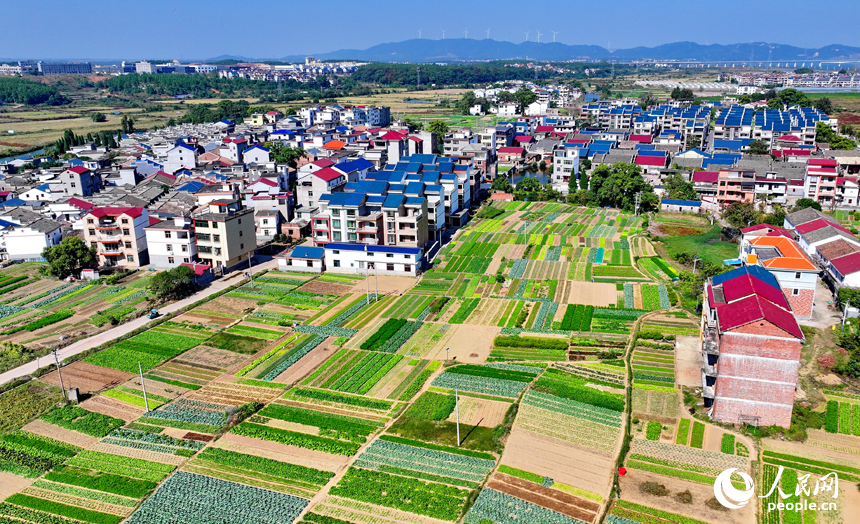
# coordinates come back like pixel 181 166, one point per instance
pixel 616 186
pixel 824 134
pixel 69 257
pixel 15 90
pixel 678 188
pixel 173 284
pixel 742 214
pixel 531 190
pixel 682 94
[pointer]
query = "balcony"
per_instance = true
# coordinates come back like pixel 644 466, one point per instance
pixel 710 341
pixel 368 230
pixel 109 249
pixel 108 237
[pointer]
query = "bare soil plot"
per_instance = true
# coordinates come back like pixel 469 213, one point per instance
pixel 11 484
pixel 465 341
pixel 87 377
pixel 591 293
pixel 273 450
pixel 325 288
pixel 231 305
pixel 556 500
pixel 561 461
pixel 233 394
pixel 157 388
pixel 113 408
pixel 210 358
pixel 697 509
pixel 480 412
pixel 688 361
pixel 829 447
pixel 363 512
pixel 40 427
pixel 202 318
pixel 713 438
pixel 335 311
pixel 386 284
pixel 307 363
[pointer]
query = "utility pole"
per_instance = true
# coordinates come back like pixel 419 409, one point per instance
pixel 376 278
pixel 844 314
pixel 143 386
pixel 637 201
pixel 418 85
pixel 60 374
pixel 446 354
pixel 250 271
pixel 457 402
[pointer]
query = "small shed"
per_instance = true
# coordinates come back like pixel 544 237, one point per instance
pixel 302 258
pixel 680 206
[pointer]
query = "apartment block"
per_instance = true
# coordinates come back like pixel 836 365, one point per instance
pixel 171 242
pixel 225 234
pixel 118 235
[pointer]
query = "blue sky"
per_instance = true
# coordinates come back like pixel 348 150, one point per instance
pixel 102 29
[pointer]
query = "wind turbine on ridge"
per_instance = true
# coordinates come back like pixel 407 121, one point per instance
pixel 553 35
pixel 419 34
pixel 443 34
pixel 527 35
pixel 539 35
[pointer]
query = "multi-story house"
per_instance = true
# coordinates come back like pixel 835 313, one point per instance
pixel 225 234
pixel 735 186
pixel 118 235
pixel 565 167
pixel 26 242
pixel 379 116
pixel 821 181
pixel 750 349
pixel 370 260
pixel 320 182
pixel 80 181
pixel 785 260
pixel 734 122
pixel 181 156
pixel 771 189
pixel 171 242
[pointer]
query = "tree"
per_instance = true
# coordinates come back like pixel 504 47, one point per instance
pixel 528 188
pixel 647 100
pixel 804 203
pixel 617 186
pixel 285 155
pixel 542 165
pixel 439 128
pixel 804 71
pixel 524 97
pixel 793 97
pixel 678 188
pixel 693 141
pixel 69 257
pixel 742 214
pixel 124 124
pixel 175 283
pixel 775 103
pixel 824 104
pixel 682 94
pixel 469 99
pixel 824 134
pixel 98 117
pixel 506 97
pixel 501 183
pixel 583 181
pixel 758 147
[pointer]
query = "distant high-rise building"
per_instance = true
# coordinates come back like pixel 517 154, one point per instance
pixel 65 68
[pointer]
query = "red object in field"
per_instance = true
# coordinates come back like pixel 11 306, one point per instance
pixel 622 471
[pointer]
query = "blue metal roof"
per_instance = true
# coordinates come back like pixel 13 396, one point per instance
pixel 359 164
pixel 393 201
pixel 424 159
pixel 414 188
pixel 753 271
pixel 308 252
pixel 191 187
pixel 674 202
pixel 414 201
pixel 372 249
pixel 375 200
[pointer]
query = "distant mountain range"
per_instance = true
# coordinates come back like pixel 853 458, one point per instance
pixel 464 50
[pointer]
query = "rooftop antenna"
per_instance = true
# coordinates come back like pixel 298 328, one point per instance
pixel 467 32
pixel 488 34
pixel 553 35
pixel 443 34
pixel 419 34
pixel 539 35
pixel 527 35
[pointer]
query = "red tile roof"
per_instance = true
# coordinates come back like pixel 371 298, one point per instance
pixel 132 212
pixel 816 225
pixel 524 139
pixel 80 204
pixel 769 230
pixel 754 308
pixel 323 162
pixel 514 150
pixel 328 174
pixel 416 139
pixel 544 129
pixel 650 161
pixel 267 182
pixel 391 136
pixel 847 264
pixel 822 162
pixel 199 269
pixel 791 138
pixel 746 285
pixel 707 177
pixel 153 221
pixel 642 139
pixel 79 170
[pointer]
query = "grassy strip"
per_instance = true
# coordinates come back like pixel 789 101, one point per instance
pixel 519 473
pixel 436 447
pixel 134 400
pixel 173 382
pixel 73 512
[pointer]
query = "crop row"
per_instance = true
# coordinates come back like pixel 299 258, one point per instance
pixel 393 343
pixel 519 268
pixel 64 292
pixel 330 425
pixel 28 455
pixel 501 508
pixel 492 372
pixel 589 373
pixel 192 411
pixel 561 384
pixel 573 408
pixel 411 461
pixel 293 438
pixel 464 310
pixel 293 356
pixel 357 378
pixel 385 331
pixel 484 385
pixel 82 420
pixel 211 500
pixel 407 494
pixel 353 309
pixel 530 342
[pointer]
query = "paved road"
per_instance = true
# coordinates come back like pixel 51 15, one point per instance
pixel 106 336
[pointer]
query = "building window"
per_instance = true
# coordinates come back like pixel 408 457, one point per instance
pixel 167 234
pixel 125 232
pixel 407 268
pixel 216 238
pixel 795 292
pixel 407 257
pixel 351 237
pixel 89 221
pixel 389 255
pixel 240 220
pixel 336 263
pixel 170 247
pixel 350 212
pixel 797 274
pixel 350 223
pixel 124 221
pixel 185 260
pixel 184 248
pixel 128 245
pixel 201 223
pixel 240 233
pixel 310 263
pixel 169 260
pixel 130 258
pixel 370 254
pixel 336 235
pixel 241 246
pixel 92 231
pixel 335 223
pixel 390 267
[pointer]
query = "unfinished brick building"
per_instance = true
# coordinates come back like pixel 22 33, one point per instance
pixel 750 349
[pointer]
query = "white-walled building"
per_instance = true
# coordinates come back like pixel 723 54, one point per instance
pixel 171 242
pixel 27 242
pixel 383 260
